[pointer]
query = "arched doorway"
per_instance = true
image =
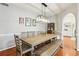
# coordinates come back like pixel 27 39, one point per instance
pixel 68 31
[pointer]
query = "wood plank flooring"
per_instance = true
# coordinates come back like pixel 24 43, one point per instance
pixel 67 50
pixel 9 52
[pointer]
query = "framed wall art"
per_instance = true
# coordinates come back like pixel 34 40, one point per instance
pixel 21 20
pixel 33 22
pixel 27 21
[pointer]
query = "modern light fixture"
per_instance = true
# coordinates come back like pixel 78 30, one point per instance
pixel 43 18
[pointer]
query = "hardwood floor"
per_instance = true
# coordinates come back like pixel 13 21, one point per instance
pixel 67 50
pixel 9 52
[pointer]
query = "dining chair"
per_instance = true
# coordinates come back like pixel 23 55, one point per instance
pixel 21 47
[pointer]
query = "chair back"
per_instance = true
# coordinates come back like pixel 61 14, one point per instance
pixel 18 43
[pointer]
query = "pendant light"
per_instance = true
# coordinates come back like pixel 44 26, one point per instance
pixel 42 17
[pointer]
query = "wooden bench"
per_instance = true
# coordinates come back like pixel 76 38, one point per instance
pixel 48 49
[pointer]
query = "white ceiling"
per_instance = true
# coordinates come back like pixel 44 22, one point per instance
pixel 52 8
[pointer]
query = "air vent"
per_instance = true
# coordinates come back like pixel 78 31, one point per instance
pixel 4 4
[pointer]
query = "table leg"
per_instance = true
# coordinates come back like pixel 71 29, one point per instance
pixel 32 52
pixel 51 40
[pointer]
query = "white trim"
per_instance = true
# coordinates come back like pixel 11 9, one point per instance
pixel 7 48
pixel 9 34
pixel 78 49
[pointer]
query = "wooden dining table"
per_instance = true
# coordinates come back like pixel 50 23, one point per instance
pixel 38 39
pixel 35 40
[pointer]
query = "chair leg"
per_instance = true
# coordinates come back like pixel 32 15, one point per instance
pixel 31 53
pixel 24 54
pixel 17 53
pixel 21 53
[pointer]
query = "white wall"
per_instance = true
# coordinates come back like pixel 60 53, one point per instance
pixel 78 27
pixel 9 24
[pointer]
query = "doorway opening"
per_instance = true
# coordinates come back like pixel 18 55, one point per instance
pixel 69 31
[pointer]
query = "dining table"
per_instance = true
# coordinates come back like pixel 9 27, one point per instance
pixel 38 39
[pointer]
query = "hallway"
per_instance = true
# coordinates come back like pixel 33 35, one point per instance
pixel 68 49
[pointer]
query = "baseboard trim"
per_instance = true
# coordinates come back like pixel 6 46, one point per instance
pixel 7 48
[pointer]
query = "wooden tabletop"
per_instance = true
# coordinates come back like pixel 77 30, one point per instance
pixel 35 40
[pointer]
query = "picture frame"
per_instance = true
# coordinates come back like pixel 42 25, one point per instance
pixel 27 21
pixel 33 22
pixel 21 20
